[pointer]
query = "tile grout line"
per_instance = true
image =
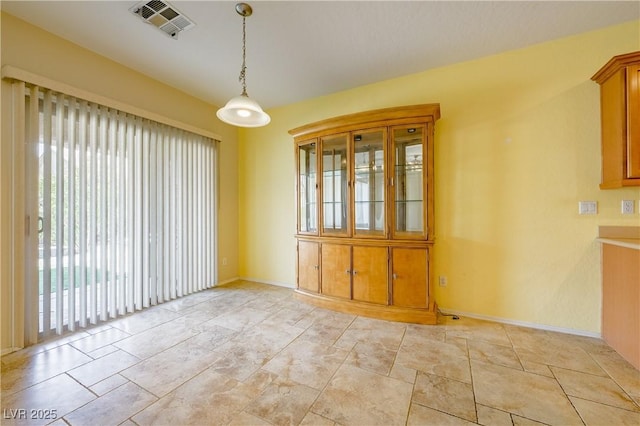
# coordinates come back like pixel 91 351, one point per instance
pixel 613 379
pixel 473 385
pixel 567 396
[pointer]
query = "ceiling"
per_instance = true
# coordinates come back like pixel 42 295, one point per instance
pixel 303 49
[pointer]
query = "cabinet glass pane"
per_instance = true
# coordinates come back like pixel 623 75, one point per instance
pixel 307 184
pixel 409 185
pixel 369 186
pixel 334 185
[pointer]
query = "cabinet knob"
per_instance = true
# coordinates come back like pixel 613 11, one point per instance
pixel 347 271
pixel 394 276
pixel 316 267
pixel 355 272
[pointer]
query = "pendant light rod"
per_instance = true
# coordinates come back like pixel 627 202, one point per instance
pixel 244 10
pixel 243 111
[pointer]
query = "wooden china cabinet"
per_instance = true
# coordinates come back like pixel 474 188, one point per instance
pixel 364 197
pixel 619 81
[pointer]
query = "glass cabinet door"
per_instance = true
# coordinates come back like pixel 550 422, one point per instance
pixel 409 181
pixel 369 183
pixel 307 188
pixel 334 185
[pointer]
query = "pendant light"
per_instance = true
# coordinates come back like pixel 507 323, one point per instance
pixel 242 111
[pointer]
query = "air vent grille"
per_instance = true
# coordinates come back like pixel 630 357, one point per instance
pixel 163 16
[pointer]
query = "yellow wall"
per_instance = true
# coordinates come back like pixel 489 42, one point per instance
pixel 32 49
pixel 516 149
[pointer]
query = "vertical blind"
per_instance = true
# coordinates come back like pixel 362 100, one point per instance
pixel 121 212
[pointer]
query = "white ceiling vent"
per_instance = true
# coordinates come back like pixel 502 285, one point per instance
pixel 164 16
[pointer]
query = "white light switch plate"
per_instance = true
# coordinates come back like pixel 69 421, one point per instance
pixel 442 280
pixel 587 207
pixel 627 206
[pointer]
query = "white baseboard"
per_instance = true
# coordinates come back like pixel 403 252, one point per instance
pixel 454 312
pixel 522 323
pixel 7 351
pixel 230 280
pixel 276 283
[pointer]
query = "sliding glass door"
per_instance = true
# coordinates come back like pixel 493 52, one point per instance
pixel 121 212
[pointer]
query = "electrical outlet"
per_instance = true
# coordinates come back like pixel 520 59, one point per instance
pixel 587 207
pixel 442 280
pixel 627 206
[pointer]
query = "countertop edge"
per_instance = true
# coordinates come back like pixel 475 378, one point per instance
pixel 631 243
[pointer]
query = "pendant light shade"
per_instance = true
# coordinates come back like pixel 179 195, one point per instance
pixel 242 111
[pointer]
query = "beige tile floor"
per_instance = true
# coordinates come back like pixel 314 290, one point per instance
pixel 251 354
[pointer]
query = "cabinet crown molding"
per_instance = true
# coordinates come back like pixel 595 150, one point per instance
pixel 366 119
pixel 615 64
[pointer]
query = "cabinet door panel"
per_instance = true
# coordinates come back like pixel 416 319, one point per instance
pixel 336 270
pixel 335 202
pixel 308 266
pixel 409 176
pixel 369 183
pixel 410 272
pixel 633 122
pixel 307 196
pixel 370 274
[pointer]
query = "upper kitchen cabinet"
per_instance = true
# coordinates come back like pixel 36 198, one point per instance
pixel 619 82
